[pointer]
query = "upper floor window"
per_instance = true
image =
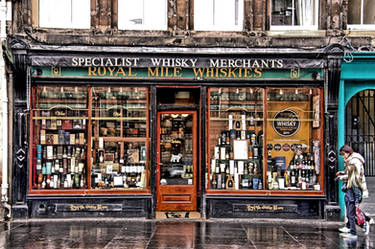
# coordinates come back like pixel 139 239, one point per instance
pixel 294 14
pixel 361 14
pixel 142 14
pixel 218 15
pixel 64 14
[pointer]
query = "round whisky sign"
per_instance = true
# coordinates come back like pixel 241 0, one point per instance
pixel 286 123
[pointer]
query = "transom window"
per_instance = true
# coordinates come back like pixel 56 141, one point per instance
pixel 142 14
pixel 64 14
pixel 294 14
pixel 361 14
pixel 218 15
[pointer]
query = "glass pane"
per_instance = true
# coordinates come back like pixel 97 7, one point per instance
pixel 294 12
pixel 80 17
pixel 354 12
pixel 119 133
pixel 175 96
pixel 369 12
pixel 236 138
pixel 176 149
pixel 54 13
pixel 59 120
pixel 119 165
pixel 293 139
pixel 142 14
pixel 283 12
pixel 119 112
pixel 224 15
pixel 64 13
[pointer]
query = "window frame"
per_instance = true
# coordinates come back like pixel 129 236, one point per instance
pixel 86 24
pixel 212 27
pixel 296 27
pixel 360 26
pixel 121 22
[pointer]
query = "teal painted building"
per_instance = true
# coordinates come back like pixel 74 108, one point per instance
pixel 357 75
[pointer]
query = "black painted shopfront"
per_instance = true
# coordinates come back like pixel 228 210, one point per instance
pixel 128 132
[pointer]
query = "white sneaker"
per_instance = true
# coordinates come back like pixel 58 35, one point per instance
pixel 344 230
pixel 366 227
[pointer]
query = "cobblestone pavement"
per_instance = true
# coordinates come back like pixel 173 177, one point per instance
pixel 213 233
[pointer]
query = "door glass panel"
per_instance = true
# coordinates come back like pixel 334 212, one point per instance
pixel 176 149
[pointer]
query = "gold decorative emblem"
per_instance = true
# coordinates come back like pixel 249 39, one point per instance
pixel 56 71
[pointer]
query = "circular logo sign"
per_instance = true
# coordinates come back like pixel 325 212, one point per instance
pixel 286 123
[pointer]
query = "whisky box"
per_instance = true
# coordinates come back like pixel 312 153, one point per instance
pixel 81 138
pixel 55 139
pixel 42 137
pixel 53 124
pixel 72 138
pixel 67 124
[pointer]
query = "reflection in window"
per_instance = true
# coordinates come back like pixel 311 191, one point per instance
pixel 142 14
pixel 296 13
pixel 64 14
pixel 223 15
pixel 361 12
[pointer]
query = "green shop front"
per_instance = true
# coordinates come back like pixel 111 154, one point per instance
pixel 225 133
pixel 356 110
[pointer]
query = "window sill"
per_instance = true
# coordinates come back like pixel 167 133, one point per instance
pixel 360 33
pixel 296 33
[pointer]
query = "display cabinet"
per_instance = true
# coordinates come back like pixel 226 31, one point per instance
pixel 270 143
pixel 59 138
pixel 89 138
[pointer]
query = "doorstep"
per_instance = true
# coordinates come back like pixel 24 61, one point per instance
pixel 177 215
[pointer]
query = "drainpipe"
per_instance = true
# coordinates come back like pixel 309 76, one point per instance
pixel 4 109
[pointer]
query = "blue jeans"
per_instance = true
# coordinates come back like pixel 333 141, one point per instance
pixel 350 211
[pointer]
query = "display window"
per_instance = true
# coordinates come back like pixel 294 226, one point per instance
pixel 265 139
pixel 89 138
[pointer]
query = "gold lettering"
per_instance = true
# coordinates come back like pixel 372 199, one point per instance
pixel 198 72
pixel 177 72
pixel 91 71
pixel 153 72
pixel 209 72
pixel 258 72
pixel 102 71
pixel 130 74
pixel 111 70
pixel 248 73
pixel 232 71
pixel 223 73
pixel 120 71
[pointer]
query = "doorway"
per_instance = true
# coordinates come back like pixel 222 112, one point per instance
pixel 176 169
pixel 360 127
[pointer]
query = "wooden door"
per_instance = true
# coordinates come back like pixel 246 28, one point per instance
pixel 176 161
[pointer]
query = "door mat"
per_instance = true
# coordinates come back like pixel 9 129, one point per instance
pixel 177 215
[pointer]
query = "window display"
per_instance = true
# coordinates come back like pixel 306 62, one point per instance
pixel 119 131
pixel 60 137
pixel 293 139
pixel 69 130
pixel 236 138
pixel 264 144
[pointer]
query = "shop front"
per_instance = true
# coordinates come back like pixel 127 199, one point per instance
pixel 129 134
pixel 355 110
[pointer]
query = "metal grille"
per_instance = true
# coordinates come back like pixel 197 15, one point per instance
pixel 360 127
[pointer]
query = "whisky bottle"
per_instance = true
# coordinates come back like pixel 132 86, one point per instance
pixel 229 183
pixel 214 182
